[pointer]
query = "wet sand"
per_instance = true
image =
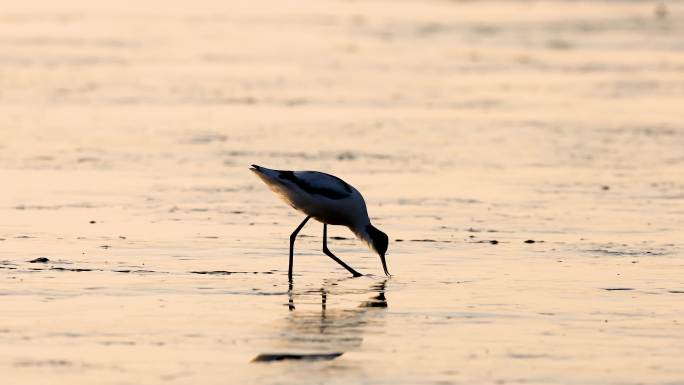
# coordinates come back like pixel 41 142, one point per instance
pixel 526 159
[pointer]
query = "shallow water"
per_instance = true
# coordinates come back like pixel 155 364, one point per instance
pixel 470 127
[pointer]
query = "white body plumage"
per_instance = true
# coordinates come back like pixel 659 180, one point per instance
pixel 321 196
pixel 328 199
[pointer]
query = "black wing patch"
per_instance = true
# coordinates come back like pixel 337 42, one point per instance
pixel 311 189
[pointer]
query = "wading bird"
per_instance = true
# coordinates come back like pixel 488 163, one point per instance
pixel 329 200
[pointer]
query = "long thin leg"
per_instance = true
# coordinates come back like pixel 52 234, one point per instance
pixel 331 255
pixel 292 241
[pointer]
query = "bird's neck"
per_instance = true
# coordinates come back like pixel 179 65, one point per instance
pixel 361 231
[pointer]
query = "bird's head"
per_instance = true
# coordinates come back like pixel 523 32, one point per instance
pixel 378 241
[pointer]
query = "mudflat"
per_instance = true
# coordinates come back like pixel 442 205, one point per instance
pixel 525 158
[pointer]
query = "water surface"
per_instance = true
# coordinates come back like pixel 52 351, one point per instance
pixel 526 159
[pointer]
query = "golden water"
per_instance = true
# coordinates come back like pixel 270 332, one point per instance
pixel 462 123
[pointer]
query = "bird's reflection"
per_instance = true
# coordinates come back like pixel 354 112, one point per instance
pixel 332 330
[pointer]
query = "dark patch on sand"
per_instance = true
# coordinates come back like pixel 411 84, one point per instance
pixel 618 288
pixel 271 357
pixel 215 272
pixel 224 272
pixel 490 241
pixel 429 240
pixel 75 269
pixel 616 249
pixel 82 269
pixel 40 260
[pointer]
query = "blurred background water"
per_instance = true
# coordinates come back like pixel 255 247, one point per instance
pixel 471 127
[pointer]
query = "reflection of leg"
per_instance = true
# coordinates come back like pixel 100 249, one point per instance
pixel 324 299
pixel 290 298
pixel 331 255
pixel 293 236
